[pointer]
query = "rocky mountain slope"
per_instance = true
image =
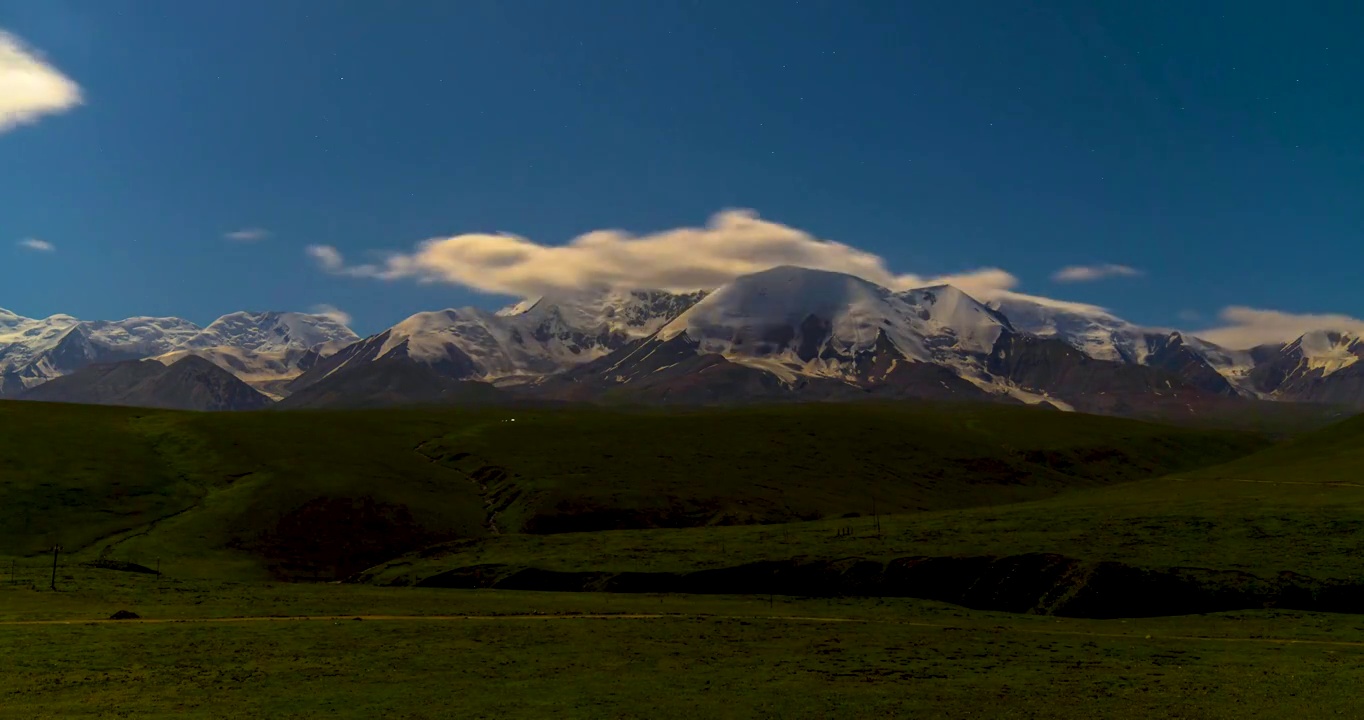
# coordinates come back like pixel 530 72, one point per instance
pixel 190 383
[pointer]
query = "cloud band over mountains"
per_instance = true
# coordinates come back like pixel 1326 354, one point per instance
pixel 731 244
pixel 1247 327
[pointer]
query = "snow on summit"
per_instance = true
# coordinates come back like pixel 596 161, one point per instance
pixel 946 310
pixel 1326 351
pixel 772 312
pixel 1091 330
pixel 537 336
pixel 275 332
pixel 251 345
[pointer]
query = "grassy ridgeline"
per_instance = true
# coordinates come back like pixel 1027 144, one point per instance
pixel 323 494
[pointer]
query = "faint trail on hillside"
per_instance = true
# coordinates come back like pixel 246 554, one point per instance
pixel 833 620
pixel 127 534
pixel 1275 482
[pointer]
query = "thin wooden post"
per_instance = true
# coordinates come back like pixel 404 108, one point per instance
pixel 875 517
pixel 55 550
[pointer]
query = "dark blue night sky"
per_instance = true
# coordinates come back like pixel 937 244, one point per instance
pixel 1215 148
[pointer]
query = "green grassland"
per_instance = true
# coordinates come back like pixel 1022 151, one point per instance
pixel 231 505
pixel 322 495
pixel 450 653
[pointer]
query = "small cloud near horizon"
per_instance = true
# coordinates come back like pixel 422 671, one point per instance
pixel 30 88
pixel 1090 273
pixel 37 245
pixel 247 235
pixel 335 314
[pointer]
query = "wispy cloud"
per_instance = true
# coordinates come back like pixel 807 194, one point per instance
pixel 1245 327
pixel 331 260
pixel 37 245
pixel 733 243
pixel 335 314
pixel 30 88
pixel 247 235
pixel 1090 273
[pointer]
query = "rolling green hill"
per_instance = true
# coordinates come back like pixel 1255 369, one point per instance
pixel 1332 454
pixel 323 494
pixel 1282 527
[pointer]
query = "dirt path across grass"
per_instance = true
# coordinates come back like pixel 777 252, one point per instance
pixel 339 619
pixel 443 618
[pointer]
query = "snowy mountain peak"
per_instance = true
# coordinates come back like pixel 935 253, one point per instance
pixel 784 297
pixel 1091 330
pixel 1326 350
pixel 633 313
pixel 948 307
pixel 817 323
pixel 274 332
pixel 537 336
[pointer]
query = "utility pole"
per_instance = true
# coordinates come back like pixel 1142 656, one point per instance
pixel 55 549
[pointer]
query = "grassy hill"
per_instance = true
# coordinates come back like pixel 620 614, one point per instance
pixel 1280 527
pixel 1332 454
pixel 239 491
pixel 590 469
pixel 323 494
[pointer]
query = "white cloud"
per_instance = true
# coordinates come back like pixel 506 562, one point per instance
pixel 247 235
pixel 333 313
pixel 329 258
pixel 1005 296
pixel 1246 327
pixel 733 243
pixel 29 87
pixel 1090 273
pixel 37 245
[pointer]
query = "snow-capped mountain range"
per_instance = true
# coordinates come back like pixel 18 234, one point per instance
pixel 522 342
pixel 783 332
pixel 260 348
